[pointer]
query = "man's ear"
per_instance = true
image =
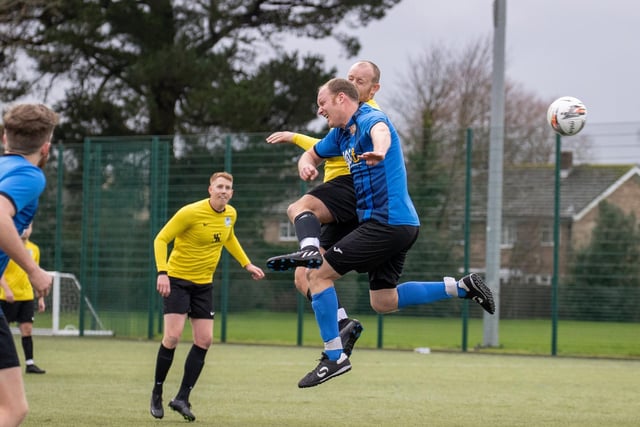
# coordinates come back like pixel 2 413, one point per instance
pixel 46 147
pixel 44 154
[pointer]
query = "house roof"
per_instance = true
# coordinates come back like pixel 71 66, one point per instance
pixel 529 190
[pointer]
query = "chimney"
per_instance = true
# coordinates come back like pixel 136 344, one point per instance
pixel 566 163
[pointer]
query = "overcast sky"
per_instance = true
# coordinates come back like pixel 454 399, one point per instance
pixel 582 48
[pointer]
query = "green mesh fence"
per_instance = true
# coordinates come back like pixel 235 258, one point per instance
pixel 107 198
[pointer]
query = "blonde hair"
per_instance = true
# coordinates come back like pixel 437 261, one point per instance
pixel 225 175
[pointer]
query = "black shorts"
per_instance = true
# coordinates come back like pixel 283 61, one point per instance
pixel 8 353
pixel 19 311
pixel 333 232
pixel 339 197
pixel 187 297
pixel 374 248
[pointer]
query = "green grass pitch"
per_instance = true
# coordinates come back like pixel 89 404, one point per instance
pixel 107 382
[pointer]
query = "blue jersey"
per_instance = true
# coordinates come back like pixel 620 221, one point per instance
pixel 22 183
pixel 381 190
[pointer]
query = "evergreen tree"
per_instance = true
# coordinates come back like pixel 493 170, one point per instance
pixel 606 269
pixel 613 255
pixel 173 66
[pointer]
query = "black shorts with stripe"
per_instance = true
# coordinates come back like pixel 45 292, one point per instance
pixel 189 298
pixel 374 248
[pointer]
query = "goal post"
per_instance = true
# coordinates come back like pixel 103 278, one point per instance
pixel 64 304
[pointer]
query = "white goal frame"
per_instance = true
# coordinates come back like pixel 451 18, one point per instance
pixel 56 301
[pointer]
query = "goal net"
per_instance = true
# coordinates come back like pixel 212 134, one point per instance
pixel 62 314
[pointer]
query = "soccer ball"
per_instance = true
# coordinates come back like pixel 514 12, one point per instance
pixel 567 115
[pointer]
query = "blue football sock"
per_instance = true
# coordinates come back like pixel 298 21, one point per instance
pixel 462 292
pixel 325 307
pixel 415 293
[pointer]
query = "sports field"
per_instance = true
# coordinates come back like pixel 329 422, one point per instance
pixel 107 382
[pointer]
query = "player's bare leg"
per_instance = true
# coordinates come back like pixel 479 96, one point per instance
pixel 13 401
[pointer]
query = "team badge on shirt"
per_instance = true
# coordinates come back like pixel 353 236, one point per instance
pixel 227 221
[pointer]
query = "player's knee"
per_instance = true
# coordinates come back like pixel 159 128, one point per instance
pixel 383 306
pixel 382 309
pixel 304 204
pixel 293 210
pixel 22 411
pixel 204 342
pixel 26 329
pixel 170 341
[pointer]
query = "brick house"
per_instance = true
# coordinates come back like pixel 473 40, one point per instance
pixel 528 214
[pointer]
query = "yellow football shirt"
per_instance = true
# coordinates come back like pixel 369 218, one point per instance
pixel 198 233
pixel 17 278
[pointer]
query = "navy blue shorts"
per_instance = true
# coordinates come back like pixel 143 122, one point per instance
pixel 189 298
pixel 374 248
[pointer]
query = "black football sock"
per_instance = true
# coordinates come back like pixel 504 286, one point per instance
pixel 307 226
pixel 27 346
pixel 163 363
pixel 192 369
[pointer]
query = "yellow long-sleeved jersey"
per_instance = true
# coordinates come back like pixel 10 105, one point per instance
pixel 334 166
pixel 198 233
pixel 17 278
